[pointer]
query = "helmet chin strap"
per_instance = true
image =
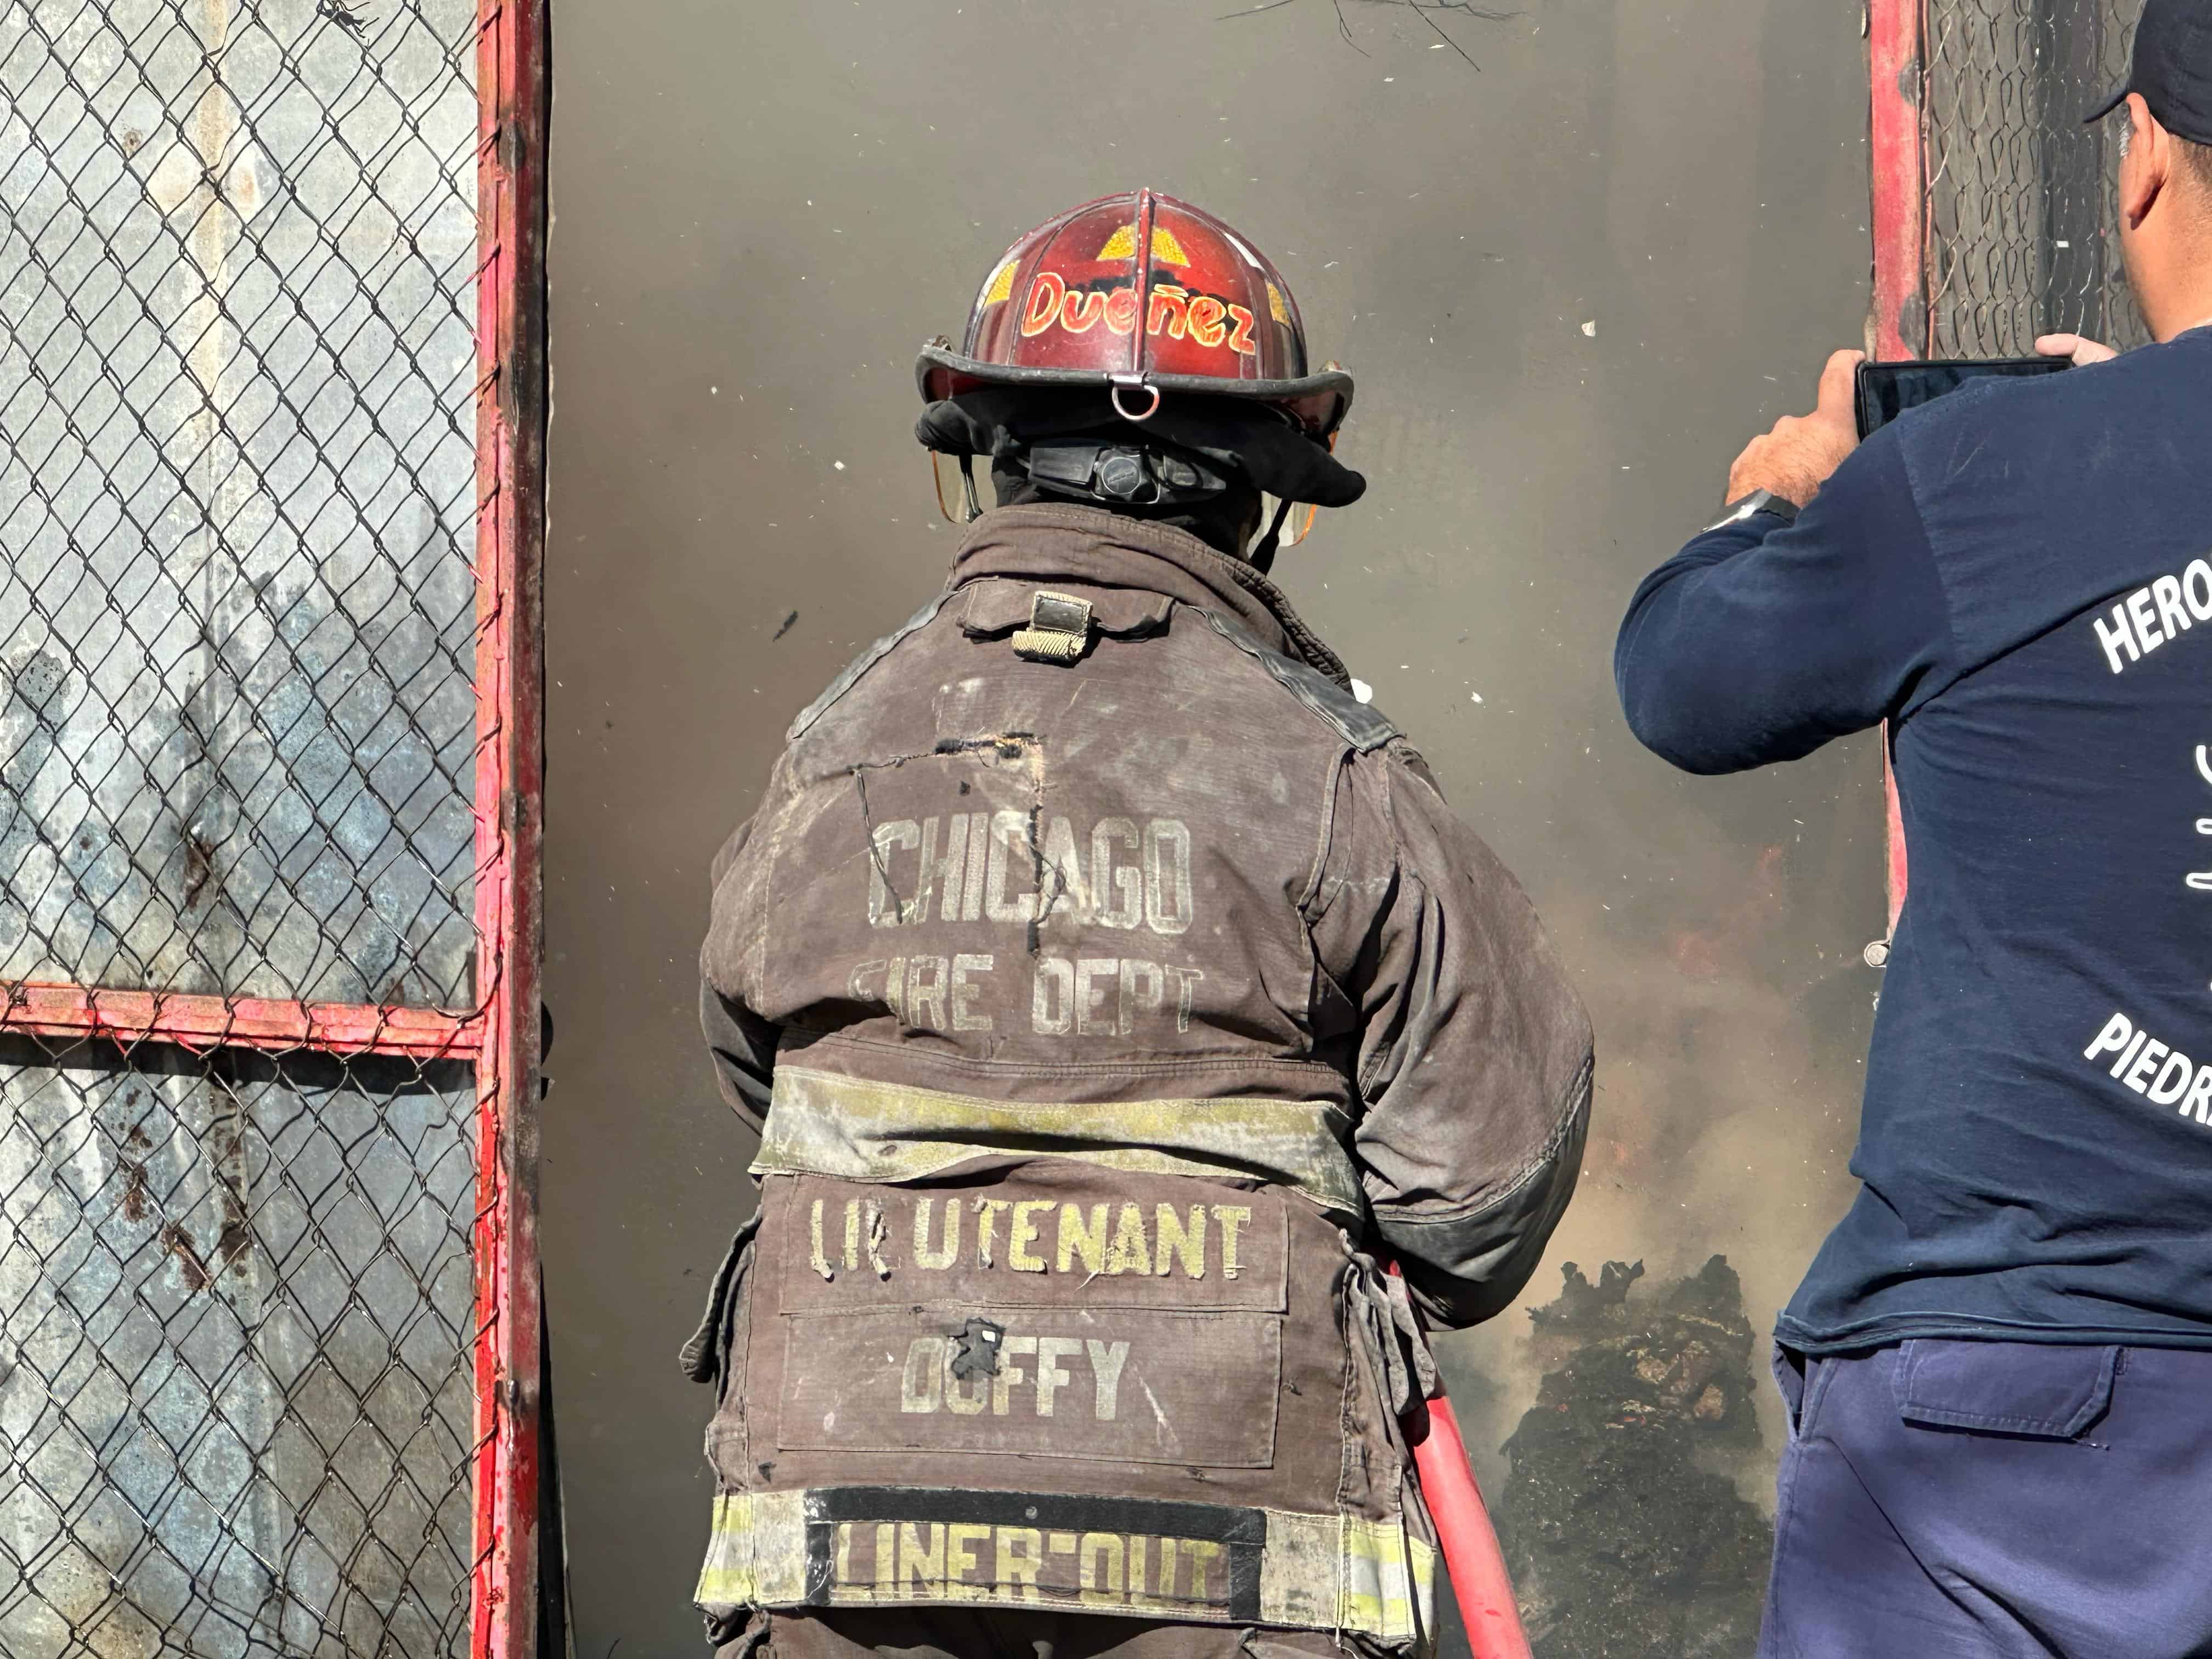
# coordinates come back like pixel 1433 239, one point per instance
pixel 1120 476
pixel 1262 555
pixel 1124 474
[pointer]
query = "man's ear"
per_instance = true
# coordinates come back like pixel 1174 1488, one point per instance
pixel 2149 157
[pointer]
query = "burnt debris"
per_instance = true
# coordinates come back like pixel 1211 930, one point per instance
pixel 1622 1520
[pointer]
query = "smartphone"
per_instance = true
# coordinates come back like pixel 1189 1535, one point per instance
pixel 1888 390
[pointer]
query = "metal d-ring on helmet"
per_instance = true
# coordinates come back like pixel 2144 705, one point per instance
pixel 1166 310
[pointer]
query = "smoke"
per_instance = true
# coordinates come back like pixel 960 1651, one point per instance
pixel 1733 1008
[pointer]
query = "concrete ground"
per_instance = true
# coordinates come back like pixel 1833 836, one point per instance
pixel 1572 275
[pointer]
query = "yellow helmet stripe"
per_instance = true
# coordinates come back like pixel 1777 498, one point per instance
pixel 1165 248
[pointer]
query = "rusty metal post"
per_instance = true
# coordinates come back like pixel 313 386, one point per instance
pixel 513 86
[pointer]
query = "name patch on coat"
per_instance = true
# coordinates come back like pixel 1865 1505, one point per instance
pixel 1194 1560
pixel 1059 1235
pixel 1130 1386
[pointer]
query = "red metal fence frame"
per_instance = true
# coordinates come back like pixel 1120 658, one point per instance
pixel 513 88
pixel 1897 73
pixel 500 1035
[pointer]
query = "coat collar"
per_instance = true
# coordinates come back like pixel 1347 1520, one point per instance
pixel 1109 549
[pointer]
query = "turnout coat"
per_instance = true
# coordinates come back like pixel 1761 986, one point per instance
pixel 1110 988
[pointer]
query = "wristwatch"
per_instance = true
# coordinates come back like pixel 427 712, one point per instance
pixel 1760 501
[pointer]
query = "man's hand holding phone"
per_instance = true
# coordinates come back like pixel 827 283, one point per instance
pixel 1794 458
pixel 2077 349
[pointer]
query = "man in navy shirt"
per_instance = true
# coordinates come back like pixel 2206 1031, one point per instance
pixel 1999 1368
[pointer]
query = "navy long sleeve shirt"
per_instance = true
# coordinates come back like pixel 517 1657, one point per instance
pixel 2019 576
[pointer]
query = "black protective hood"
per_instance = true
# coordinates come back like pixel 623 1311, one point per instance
pixel 1247 440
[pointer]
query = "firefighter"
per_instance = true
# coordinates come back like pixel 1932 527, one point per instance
pixel 1112 990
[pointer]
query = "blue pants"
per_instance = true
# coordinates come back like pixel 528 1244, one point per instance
pixel 1992 1499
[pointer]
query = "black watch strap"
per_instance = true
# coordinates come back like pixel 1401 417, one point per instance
pixel 1760 501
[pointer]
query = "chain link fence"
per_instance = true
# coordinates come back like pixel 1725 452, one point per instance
pixel 237 361
pixel 2022 229
pixel 240 1344
pixel 236 1380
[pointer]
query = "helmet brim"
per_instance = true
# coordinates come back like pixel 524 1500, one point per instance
pixel 1317 402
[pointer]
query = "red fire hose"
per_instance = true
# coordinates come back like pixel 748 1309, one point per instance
pixel 1472 1558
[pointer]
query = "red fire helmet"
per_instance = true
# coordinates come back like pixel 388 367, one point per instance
pixel 1063 308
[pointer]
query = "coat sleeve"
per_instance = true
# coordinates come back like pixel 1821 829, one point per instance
pixel 1746 648
pixel 740 1042
pixel 1473 1051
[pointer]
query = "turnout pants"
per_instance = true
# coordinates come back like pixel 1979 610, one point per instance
pixel 1950 1499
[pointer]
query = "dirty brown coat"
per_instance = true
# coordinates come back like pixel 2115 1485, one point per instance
pixel 1120 895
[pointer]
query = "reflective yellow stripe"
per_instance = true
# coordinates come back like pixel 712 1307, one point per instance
pixel 1389 1582
pixel 823 1123
pixel 756 1552
pixel 1339 1572
pixel 1316 1572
